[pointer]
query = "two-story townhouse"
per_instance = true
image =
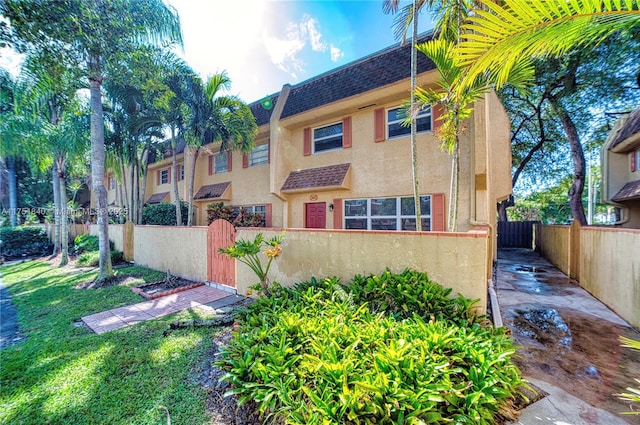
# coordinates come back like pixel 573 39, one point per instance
pixel 331 153
pixel 620 158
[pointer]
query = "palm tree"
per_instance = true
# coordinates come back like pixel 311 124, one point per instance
pixel 216 118
pixel 94 33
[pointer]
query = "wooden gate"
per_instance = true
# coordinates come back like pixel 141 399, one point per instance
pixel 516 234
pixel 220 268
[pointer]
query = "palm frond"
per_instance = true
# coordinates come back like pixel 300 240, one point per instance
pixel 499 37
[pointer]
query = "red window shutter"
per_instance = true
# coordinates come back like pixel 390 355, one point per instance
pixel 437 212
pixel 229 160
pixel 436 113
pixel 632 161
pixel 245 160
pixel 169 175
pixel 346 132
pixel 268 151
pixel 210 165
pixel 267 215
pixel 307 142
pixel 158 177
pixel 378 125
pixel 337 213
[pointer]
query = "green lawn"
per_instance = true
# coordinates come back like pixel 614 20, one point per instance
pixel 65 374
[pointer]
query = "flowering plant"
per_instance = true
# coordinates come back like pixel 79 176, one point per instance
pixel 247 252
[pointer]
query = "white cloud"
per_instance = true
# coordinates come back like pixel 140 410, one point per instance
pixel 336 53
pixel 314 34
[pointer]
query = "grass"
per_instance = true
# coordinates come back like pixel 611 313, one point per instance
pixel 65 374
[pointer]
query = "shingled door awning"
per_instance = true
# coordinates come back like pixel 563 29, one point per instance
pixel 321 178
pixel 214 191
pixel 156 198
pixel 629 192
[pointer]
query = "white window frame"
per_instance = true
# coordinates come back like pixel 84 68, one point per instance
pixel 638 161
pixel 181 171
pixel 314 139
pixel 112 182
pixel 253 209
pixel 398 217
pixel 217 167
pixel 426 112
pixel 164 176
pixel 259 155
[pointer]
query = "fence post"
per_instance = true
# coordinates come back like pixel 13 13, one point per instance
pixel 127 241
pixel 574 250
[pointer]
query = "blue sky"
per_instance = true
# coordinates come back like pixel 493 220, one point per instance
pixel 263 44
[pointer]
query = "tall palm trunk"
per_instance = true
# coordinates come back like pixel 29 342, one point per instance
pixel 191 183
pixel 414 113
pixel 56 208
pixel 97 165
pixel 13 190
pixel 132 212
pixel 124 198
pixel 454 189
pixel 64 229
pixel 174 167
pixel 142 188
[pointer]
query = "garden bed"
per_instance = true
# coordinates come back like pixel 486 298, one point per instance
pixel 164 287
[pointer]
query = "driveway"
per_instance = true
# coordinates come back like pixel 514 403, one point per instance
pixel 569 344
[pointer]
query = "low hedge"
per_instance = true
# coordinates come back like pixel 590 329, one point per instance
pixel 24 241
pixel 164 214
pixel 92 258
pixel 367 353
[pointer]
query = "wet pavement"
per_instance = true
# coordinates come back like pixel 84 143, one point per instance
pixel 569 344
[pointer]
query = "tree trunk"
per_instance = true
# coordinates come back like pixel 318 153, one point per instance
pixel 97 166
pixel 577 154
pixel 132 213
pixel 56 208
pixel 13 190
pixel 174 167
pixel 191 183
pixel 454 187
pixel 142 188
pixel 64 229
pixel 124 200
pixel 502 208
pixel 414 113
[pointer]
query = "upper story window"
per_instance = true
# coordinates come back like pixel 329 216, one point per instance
pixel 112 182
pixel 395 117
pixel 164 176
pixel 259 155
pixel 327 138
pixel 638 160
pixel 395 213
pixel 220 163
pixel 181 171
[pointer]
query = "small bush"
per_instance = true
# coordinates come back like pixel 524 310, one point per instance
pixel 324 353
pixel 92 258
pixel 85 243
pixel 217 211
pixel 24 241
pixel 164 214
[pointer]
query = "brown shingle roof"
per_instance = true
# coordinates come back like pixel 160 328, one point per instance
pixel 156 198
pixel 378 70
pixel 328 177
pixel 212 191
pixel 262 109
pixel 630 127
pixel 629 192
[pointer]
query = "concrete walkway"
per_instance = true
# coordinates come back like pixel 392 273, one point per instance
pixel 568 342
pixel 9 331
pixel 125 316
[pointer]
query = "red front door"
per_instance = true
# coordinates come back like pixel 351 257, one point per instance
pixel 315 215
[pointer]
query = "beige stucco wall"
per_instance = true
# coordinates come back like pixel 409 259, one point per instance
pixel 183 250
pixel 115 234
pixel 610 269
pixel 554 245
pixel 455 260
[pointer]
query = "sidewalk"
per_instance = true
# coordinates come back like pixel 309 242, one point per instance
pixel 125 316
pixel 569 344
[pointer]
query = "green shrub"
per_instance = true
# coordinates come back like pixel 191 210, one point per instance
pixel 320 354
pixel 164 214
pixel 85 243
pixel 24 241
pixel 92 258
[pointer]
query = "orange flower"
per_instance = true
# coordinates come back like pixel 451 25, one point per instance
pixel 273 251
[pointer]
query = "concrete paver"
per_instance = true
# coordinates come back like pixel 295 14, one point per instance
pixel 147 310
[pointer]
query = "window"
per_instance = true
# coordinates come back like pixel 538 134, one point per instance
pixel 395 213
pixel 181 172
pixel 164 176
pixel 397 115
pixel 112 182
pixel 253 209
pixel 638 160
pixel 220 163
pixel 259 155
pixel 327 138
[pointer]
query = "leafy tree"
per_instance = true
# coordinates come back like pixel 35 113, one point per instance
pixel 93 33
pixel 214 117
